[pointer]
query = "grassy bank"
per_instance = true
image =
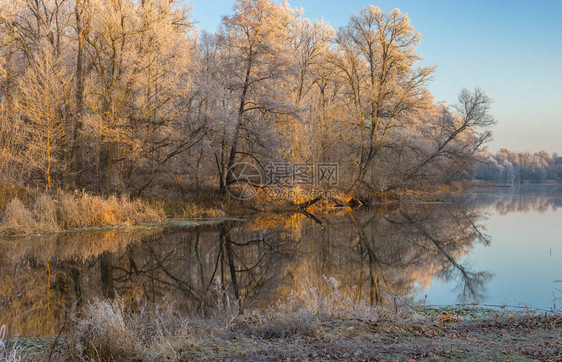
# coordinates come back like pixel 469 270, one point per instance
pixel 315 326
pixel 53 213
pixel 25 210
pixel 29 211
pixel 110 333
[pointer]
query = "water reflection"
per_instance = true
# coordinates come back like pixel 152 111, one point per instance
pixel 375 254
pixel 41 278
pixel 517 198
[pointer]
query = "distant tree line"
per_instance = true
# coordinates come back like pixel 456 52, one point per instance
pixel 508 166
pixel 128 96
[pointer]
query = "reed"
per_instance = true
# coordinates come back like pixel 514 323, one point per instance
pixel 52 213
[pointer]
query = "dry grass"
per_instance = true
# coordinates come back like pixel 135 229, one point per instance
pixel 106 331
pixel 9 192
pixel 454 186
pixel 27 211
pixel 45 212
pixel 63 211
pixel 318 323
pixel 86 211
pixel 196 210
pixel 8 351
pixel 326 301
pixel 18 219
pixel 103 333
pixel 190 209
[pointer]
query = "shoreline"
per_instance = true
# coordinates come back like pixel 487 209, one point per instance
pixel 402 334
pixel 167 223
pixel 235 210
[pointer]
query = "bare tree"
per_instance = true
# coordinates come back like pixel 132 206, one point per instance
pixel 42 104
pixel 456 138
pixel 124 96
pixel 254 37
pixel 376 60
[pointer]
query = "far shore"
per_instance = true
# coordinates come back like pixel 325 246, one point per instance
pixel 27 211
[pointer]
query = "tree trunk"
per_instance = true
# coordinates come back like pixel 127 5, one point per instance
pixel 107 168
pixel 76 140
pixel 241 110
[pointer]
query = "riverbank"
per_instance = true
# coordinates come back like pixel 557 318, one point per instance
pixel 41 274
pixel 25 211
pixel 107 332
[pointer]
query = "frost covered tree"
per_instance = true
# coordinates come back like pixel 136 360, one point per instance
pixel 454 139
pixel 519 166
pixel 255 39
pixel 42 105
pixel 385 89
pixel 126 96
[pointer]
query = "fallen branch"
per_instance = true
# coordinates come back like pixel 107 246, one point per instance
pixel 306 204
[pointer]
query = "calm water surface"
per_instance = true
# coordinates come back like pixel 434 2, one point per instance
pixel 493 246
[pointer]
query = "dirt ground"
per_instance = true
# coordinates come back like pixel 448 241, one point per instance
pixel 429 335
pixel 516 338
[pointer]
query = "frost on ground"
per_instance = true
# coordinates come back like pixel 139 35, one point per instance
pixel 9 351
pixel 317 324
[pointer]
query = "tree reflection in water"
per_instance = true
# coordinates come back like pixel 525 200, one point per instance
pixel 238 266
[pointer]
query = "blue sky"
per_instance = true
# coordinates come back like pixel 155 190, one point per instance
pixel 511 49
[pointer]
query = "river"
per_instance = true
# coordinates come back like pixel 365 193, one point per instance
pixel 491 246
